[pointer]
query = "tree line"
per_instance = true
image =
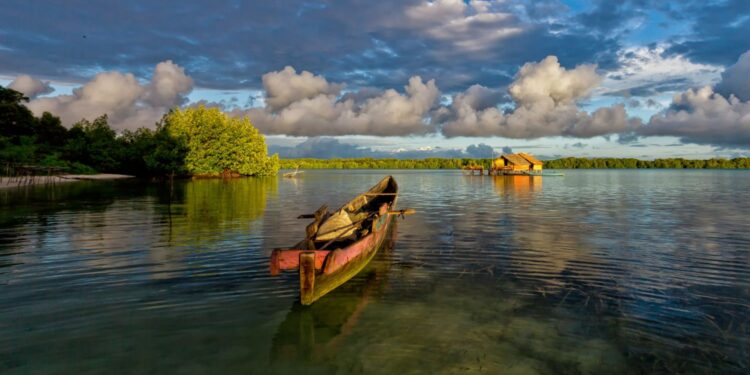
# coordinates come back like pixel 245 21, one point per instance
pixel 564 163
pixel 207 142
pixel 371 163
pixel 192 141
pixel 631 163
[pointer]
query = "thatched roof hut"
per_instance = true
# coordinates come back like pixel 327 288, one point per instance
pixel 515 159
pixel 517 162
pixel 511 161
pixel 536 164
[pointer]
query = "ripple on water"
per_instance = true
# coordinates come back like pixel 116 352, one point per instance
pixel 599 271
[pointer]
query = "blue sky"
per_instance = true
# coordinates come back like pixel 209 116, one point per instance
pixel 407 78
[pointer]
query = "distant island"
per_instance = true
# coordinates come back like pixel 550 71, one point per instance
pixel 564 163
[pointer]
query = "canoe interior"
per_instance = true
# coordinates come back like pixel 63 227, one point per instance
pixel 384 192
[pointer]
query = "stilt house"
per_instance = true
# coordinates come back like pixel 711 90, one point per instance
pixel 511 162
pixel 536 164
pixel 520 162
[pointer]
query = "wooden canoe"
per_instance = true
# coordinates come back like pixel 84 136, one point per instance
pixel 293 173
pixel 325 263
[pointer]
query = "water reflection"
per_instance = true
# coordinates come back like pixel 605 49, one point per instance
pixel 599 271
pixel 111 227
pixel 517 185
pixel 217 205
pixel 312 335
pixel 546 244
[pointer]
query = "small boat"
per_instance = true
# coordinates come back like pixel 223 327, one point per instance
pixel 293 173
pixel 533 174
pixel 547 174
pixel 339 244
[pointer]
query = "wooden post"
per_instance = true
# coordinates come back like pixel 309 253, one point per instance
pixel 275 269
pixel 306 276
pixel 310 232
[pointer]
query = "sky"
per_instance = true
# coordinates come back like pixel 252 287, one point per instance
pixel 407 78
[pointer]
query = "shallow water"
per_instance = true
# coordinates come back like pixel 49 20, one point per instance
pixel 594 272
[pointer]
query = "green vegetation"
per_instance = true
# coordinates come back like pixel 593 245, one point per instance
pixel 191 141
pixel 369 163
pixel 629 163
pixel 211 206
pixel 219 144
pixel 565 163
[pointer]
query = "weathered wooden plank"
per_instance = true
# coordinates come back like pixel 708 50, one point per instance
pixel 288 259
pixel 307 277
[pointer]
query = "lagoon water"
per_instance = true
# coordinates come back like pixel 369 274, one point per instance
pixel 603 271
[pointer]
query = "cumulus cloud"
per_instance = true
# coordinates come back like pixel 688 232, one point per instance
pixel 545 96
pixel 29 86
pixel 168 86
pixel 314 107
pixel 480 151
pixel 128 103
pixel 717 116
pixel 547 81
pixel 704 117
pixel 461 119
pixel 646 71
pixel 286 87
pixel 735 80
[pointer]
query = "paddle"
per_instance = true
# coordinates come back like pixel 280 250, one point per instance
pixel 404 212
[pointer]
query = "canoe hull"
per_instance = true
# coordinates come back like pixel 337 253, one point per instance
pixel 342 264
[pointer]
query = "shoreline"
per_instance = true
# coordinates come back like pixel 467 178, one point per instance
pixel 23 181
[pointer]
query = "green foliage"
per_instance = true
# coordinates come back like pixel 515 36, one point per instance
pixel 219 144
pixel 370 163
pixel 20 151
pixel 53 160
pixel 629 163
pixel 208 140
pixel 167 157
pixel 26 138
pixel 564 163
pixel 15 119
pixel 94 144
pixel 51 136
pixel 135 146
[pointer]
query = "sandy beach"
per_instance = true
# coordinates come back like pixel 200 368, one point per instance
pixel 10 182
